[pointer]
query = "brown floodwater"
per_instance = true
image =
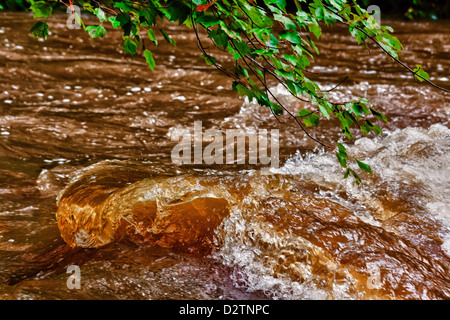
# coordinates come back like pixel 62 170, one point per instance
pixel 87 178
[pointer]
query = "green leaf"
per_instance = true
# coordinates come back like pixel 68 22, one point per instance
pixel 285 74
pixel 207 20
pixel 256 15
pixel 311 87
pixel 220 37
pixel 420 74
pixel 389 49
pixel 354 174
pixel 342 155
pixel 378 115
pixel 39 30
pixel 88 7
pixel 151 36
pixel 392 41
pixel 124 6
pixel 292 37
pixel 342 150
pixel 292 59
pixel 342 160
pixel 210 60
pixel 302 16
pixel 167 38
pixel 316 30
pixel 360 36
pixel 337 4
pixel 313 45
pixel 125 23
pixel 276 108
pixel 363 166
pixel 242 47
pixel 114 22
pixel 149 59
pixel 240 71
pixel 346 131
pixel 280 3
pixel 320 13
pixel 129 46
pixel 123 18
pixel 358 108
pixel 100 14
pixel 243 91
pixel 96 31
pixel 176 11
pixel 312 120
pixel 79 21
pixel 304 113
pixel 263 100
pixel 323 107
pixel 41 9
pixel 292 87
pixel 148 15
pixel 365 128
pixel 288 23
pixel 349 118
pixel 304 62
pixel 347 173
pixel 368 126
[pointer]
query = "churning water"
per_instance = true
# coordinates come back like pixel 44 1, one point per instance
pixel 87 134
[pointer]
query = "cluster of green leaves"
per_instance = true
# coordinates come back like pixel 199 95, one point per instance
pixel 265 39
pixel 342 156
pixel 41 9
pixel 137 20
pixel 356 113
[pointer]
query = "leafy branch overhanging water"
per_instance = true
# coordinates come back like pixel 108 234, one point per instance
pixel 267 39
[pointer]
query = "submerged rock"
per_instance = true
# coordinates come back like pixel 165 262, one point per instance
pixel 108 201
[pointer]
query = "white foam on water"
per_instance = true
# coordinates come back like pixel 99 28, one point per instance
pixel 250 271
pixel 253 251
pixel 409 164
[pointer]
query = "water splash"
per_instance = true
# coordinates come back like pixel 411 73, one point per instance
pixel 302 232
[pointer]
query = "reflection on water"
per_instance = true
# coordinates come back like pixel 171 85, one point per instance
pixel 76 116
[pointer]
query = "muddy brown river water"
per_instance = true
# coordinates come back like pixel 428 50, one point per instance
pixel 81 124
